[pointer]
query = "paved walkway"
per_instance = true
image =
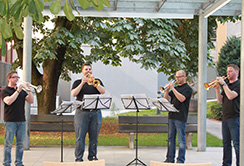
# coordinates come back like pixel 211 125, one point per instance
pixel 214 127
pixel 116 155
pixel 120 155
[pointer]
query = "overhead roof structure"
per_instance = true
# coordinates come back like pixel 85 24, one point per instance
pixel 159 8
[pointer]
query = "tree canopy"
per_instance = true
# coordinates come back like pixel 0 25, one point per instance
pixel 13 11
pixel 167 45
pixel 230 53
pixel 150 42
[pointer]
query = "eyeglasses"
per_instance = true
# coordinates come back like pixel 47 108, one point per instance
pixel 179 76
pixel 15 77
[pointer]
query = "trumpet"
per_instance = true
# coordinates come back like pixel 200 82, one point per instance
pixel 163 88
pixel 207 86
pixel 91 80
pixel 31 88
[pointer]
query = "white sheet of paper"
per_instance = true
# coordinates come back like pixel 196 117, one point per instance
pixel 141 101
pixel 159 101
pixel 90 101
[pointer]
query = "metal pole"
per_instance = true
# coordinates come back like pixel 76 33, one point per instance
pixel 202 77
pixel 27 58
pixel 242 90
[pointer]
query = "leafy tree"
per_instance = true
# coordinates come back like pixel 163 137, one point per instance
pixel 13 11
pixel 146 41
pixel 229 54
pixel 150 42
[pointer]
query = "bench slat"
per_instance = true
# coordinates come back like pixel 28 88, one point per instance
pixel 152 119
pixel 52 127
pixel 152 128
pixel 52 118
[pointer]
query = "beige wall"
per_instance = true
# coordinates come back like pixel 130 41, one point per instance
pixel 221 34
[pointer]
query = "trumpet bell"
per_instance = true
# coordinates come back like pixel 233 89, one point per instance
pixel 38 88
pixel 91 80
pixel 96 83
pixel 206 86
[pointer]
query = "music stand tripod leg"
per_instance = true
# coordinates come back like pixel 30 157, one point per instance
pixel 136 159
pixel 62 142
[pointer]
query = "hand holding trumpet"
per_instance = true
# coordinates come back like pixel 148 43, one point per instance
pixel 167 87
pixel 215 83
pixel 28 87
pixel 89 78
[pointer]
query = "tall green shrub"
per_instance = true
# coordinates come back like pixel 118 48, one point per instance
pixel 216 111
pixel 229 54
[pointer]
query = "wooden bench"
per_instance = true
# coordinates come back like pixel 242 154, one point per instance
pixel 52 123
pixel 154 124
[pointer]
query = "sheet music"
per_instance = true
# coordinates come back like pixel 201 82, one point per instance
pixel 161 103
pixel 140 99
pixel 90 101
pixel 63 107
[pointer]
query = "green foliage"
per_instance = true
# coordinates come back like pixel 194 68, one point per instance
pixel 216 111
pixel 149 42
pixel 229 54
pixel 12 13
pixel 153 43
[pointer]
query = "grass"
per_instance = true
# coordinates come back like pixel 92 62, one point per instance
pixel 209 105
pixel 109 135
pixel 151 112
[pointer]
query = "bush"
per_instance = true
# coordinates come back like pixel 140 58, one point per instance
pixel 229 54
pixel 216 111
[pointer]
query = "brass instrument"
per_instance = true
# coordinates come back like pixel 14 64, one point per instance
pixel 163 88
pixel 91 80
pixel 31 88
pixel 207 86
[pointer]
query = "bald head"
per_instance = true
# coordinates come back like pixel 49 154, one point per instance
pixel 181 72
pixel 180 77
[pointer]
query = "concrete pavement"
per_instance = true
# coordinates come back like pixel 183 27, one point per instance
pixel 115 155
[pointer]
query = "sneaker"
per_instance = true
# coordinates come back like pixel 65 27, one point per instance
pixel 77 160
pixel 93 159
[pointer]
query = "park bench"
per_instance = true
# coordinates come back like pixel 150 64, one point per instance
pixel 49 123
pixel 154 124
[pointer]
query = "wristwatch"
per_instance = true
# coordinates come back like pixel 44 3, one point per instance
pixel 224 84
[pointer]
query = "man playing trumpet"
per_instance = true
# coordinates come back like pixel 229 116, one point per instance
pixel 230 99
pixel 87 120
pixel 14 117
pixel 180 97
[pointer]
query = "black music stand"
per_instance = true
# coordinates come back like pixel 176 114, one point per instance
pixel 135 102
pixel 164 105
pixel 95 102
pixel 63 108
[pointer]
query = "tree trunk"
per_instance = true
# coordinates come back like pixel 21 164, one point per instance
pixel 46 100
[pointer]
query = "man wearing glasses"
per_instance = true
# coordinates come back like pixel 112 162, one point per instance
pixel 14 117
pixel 179 96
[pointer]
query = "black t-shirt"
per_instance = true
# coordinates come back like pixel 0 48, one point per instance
pixel 86 89
pixel 16 111
pixel 231 108
pixel 183 107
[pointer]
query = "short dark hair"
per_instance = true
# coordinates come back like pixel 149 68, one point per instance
pixel 9 75
pixel 234 66
pixel 85 64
